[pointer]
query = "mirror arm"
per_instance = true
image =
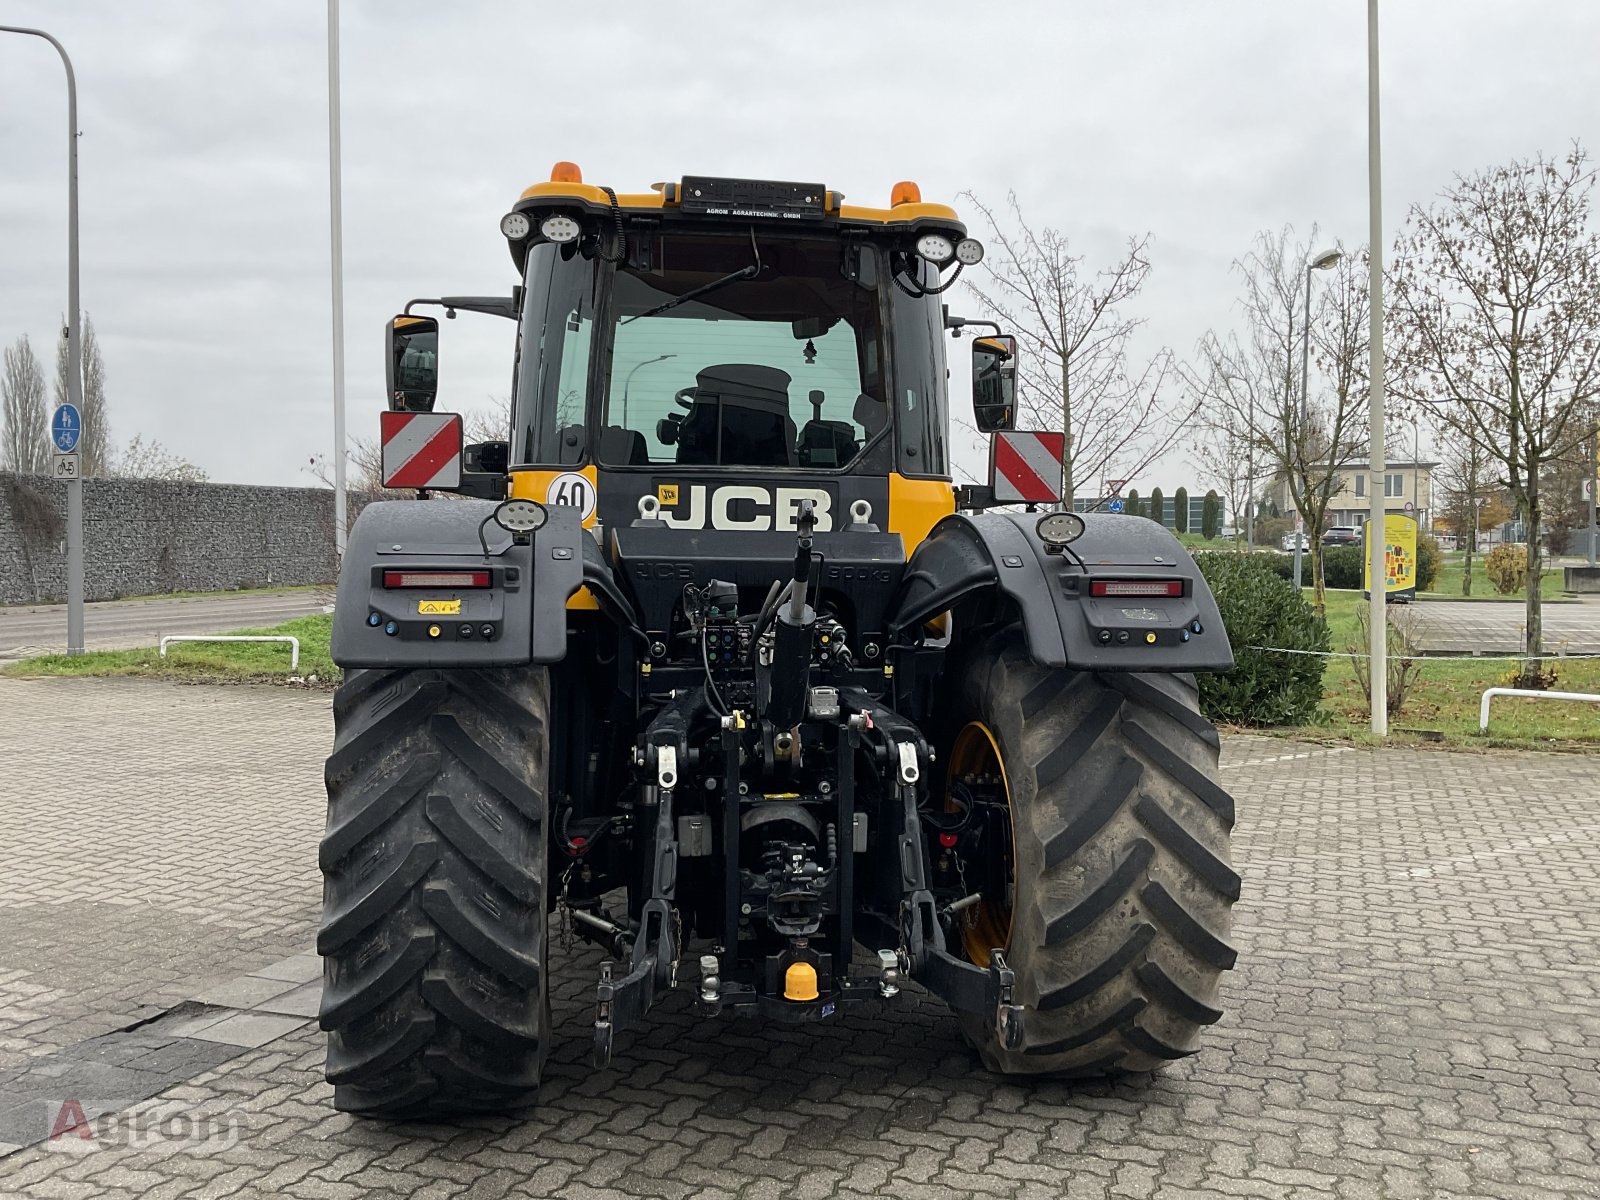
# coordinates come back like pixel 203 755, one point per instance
pixel 973 497
pixel 494 306
pixel 957 324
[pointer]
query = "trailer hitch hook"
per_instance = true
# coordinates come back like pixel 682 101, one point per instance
pixel 1007 1016
pixel 604 1031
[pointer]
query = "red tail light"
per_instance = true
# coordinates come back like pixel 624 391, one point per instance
pixel 1136 587
pixel 436 579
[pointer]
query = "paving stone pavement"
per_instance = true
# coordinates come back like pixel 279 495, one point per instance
pixel 155 837
pixel 1415 1011
pixel 1485 627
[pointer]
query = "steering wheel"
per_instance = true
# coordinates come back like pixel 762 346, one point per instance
pixel 685 397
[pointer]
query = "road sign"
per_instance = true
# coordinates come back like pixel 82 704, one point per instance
pixel 573 489
pixel 68 466
pixel 1026 466
pixel 420 450
pixel 1410 507
pixel 1115 505
pixel 66 427
pixel 1115 486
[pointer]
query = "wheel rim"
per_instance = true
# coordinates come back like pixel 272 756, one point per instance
pixel 975 756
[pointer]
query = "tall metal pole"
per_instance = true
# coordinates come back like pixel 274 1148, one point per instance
pixel 1300 425
pixel 1416 471
pixel 1594 489
pixel 336 237
pixel 1250 490
pixel 74 355
pixel 1378 664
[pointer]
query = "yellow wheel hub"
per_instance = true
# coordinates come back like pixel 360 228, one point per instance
pixel 975 761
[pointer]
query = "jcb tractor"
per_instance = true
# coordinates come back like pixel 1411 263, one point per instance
pixel 711 662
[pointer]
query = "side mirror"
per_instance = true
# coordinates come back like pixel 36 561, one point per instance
pixel 487 457
pixel 994 383
pixel 411 363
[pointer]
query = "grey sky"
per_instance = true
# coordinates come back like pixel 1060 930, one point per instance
pixel 204 155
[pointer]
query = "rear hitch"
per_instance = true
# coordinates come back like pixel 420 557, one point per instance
pixel 623 1003
pixel 710 985
pixel 888 974
pixel 1007 1016
pixel 604 1031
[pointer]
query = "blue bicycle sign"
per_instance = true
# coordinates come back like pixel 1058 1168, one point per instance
pixel 66 427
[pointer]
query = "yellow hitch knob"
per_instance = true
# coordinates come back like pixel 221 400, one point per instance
pixel 800 982
pixel 433 631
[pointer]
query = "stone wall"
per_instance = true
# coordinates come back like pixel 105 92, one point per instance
pixel 147 537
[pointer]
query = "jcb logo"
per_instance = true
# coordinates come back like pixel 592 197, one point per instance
pixel 741 506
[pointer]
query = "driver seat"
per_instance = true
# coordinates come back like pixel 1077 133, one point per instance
pixel 739 418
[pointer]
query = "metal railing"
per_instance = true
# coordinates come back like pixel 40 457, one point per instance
pixel 294 642
pixel 1491 693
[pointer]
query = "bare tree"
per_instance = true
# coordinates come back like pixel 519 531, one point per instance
pixel 25 436
pixel 491 424
pixel 1461 482
pixel 363 470
pixel 95 443
pixel 141 459
pixel 1496 298
pixel 1250 389
pixel 1563 487
pixel 1077 375
pixel 1220 457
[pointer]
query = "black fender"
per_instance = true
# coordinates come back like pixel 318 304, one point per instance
pixel 985 566
pixel 520 618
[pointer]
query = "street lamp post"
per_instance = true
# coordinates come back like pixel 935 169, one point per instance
pixel 1594 485
pixel 628 382
pixel 1378 663
pixel 1322 261
pixel 1416 470
pixel 336 253
pixel 74 356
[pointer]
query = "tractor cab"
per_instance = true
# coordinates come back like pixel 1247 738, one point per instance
pixel 727 348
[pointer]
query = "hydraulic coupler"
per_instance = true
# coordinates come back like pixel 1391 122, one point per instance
pixel 789 676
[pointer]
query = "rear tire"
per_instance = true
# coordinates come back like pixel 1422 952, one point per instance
pixel 1122 889
pixel 434 891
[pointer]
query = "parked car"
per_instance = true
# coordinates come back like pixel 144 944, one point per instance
pixel 1227 532
pixel 1289 540
pixel 1342 535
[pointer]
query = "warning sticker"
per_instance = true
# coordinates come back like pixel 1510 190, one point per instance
pixel 438 608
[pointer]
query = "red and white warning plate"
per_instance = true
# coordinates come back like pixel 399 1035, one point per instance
pixel 421 450
pixel 1026 468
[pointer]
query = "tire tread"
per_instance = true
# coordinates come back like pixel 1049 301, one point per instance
pixel 433 930
pixel 1123 886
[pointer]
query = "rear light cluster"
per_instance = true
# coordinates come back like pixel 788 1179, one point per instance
pixel 1136 587
pixel 436 579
